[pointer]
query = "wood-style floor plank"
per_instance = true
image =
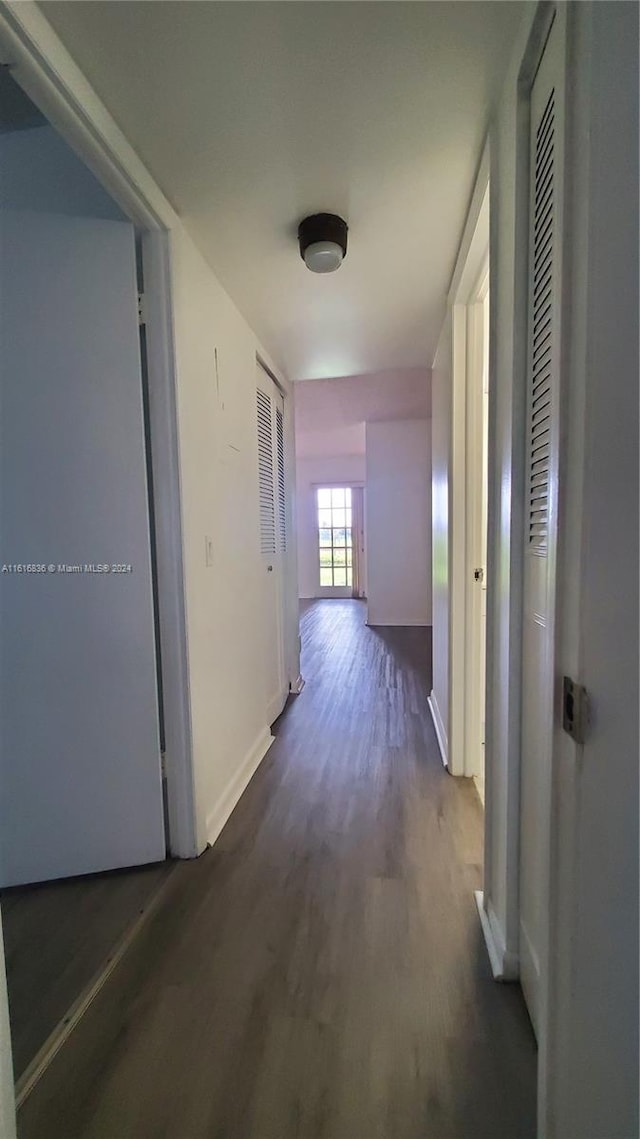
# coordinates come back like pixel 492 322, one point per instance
pixel 57 937
pixel 320 973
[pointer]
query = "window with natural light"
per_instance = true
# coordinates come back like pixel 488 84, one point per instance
pixel 334 536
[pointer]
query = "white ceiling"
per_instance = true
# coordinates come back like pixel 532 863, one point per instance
pixel 252 115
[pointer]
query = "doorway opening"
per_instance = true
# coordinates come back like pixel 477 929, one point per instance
pixel 340 540
pixel 91 582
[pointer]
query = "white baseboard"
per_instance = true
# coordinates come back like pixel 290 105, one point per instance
pixel 440 730
pixel 504 964
pixel 236 785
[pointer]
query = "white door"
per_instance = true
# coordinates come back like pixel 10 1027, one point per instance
pixel 541 519
pixel 273 535
pixel 80 779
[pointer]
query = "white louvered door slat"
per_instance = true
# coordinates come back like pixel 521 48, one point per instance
pixel 545 195
pixel 541 341
pixel 265 474
pixel 282 498
pixel 272 491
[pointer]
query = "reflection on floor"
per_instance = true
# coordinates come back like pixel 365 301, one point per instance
pixel 320 973
pixel 57 938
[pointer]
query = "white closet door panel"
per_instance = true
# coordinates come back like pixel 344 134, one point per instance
pixel 543 376
pixel 273 535
pixel 80 780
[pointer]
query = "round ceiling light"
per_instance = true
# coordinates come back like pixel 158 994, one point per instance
pixel 323 242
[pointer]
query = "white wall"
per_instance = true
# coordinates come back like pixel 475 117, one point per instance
pixel 441 382
pixel 219 481
pixel 341 470
pixel 398 522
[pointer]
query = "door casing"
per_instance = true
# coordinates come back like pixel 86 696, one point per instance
pixel 468 288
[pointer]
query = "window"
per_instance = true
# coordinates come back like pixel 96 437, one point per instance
pixel 334 536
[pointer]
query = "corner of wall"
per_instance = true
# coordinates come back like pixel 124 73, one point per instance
pixel 218 816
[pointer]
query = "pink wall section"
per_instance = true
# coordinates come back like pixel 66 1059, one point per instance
pixel 331 414
pixel 398 522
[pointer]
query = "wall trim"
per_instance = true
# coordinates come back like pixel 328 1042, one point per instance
pixel 239 781
pixel 505 965
pixel 440 730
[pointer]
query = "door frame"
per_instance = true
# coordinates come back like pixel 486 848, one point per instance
pixel 476 521
pixel 41 65
pixel 468 288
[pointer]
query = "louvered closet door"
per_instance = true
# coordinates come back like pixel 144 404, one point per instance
pixel 541 481
pixel 273 536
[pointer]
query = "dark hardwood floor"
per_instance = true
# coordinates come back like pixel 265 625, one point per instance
pixel 319 973
pixel 57 937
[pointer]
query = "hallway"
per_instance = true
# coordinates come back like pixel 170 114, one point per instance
pixel 320 972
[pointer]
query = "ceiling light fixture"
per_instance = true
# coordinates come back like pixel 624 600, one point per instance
pixel 323 242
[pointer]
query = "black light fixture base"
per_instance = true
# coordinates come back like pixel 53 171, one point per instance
pixel 322 227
